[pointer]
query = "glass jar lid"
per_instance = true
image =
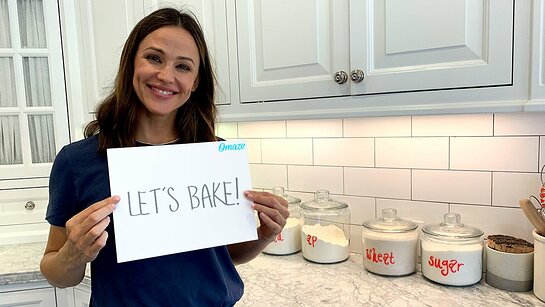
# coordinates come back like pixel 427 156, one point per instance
pixel 322 201
pixel 292 201
pixel 390 222
pixel 452 228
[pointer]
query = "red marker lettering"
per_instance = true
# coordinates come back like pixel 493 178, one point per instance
pixel 279 238
pixel 386 258
pixel 311 240
pixel 445 266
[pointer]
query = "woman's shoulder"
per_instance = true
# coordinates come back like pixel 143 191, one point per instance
pixel 86 145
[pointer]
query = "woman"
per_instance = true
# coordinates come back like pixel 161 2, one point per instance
pixel 164 93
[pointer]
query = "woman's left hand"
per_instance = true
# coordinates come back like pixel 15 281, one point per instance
pixel 272 211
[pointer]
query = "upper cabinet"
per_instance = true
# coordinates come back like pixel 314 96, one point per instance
pixel 308 48
pixel 537 98
pixel 33 111
pixel 103 26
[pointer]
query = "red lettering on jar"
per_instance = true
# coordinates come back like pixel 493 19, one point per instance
pixel 279 238
pixel 386 258
pixel 445 266
pixel 311 240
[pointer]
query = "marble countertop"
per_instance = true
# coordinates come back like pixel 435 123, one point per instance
pixel 293 281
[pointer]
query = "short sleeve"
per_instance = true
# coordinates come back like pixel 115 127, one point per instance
pixel 62 191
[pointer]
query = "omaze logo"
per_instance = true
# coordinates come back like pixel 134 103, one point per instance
pixel 223 146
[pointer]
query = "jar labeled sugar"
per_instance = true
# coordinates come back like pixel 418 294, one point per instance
pixel 452 252
pixel 326 231
pixel 389 245
pixel 289 240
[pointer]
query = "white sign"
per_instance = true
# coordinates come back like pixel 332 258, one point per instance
pixel 178 198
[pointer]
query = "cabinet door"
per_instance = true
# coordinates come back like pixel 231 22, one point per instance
pixel 37 297
pixel 427 45
pixel 81 298
pixel 212 15
pixel 291 49
pixel 537 101
pixel 104 26
pixel 33 120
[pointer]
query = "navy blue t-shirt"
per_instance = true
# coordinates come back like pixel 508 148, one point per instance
pixel 206 277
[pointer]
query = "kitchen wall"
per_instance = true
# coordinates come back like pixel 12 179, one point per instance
pixel 477 165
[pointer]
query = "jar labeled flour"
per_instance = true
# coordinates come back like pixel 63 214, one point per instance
pixel 289 240
pixel 452 252
pixel 326 231
pixel 389 245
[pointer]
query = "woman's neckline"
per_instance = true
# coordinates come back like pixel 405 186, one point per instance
pixel 165 143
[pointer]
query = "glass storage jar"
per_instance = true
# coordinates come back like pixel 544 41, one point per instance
pixel 289 240
pixel 452 252
pixel 325 232
pixel 389 244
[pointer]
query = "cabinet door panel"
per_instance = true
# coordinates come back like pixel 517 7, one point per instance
pixel 212 16
pixel 38 297
pixel 425 45
pixel 291 49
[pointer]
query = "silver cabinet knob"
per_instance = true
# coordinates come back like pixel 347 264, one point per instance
pixel 357 75
pixel 340 77
pixel 30 205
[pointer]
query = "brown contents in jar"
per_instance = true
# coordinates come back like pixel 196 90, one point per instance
pixel 509 244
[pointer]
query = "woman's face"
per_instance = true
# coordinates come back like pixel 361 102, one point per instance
pixel 166 69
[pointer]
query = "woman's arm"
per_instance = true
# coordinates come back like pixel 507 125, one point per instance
pixel 69 249
pixel 272 211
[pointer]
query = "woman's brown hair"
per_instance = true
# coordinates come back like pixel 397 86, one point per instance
pixel 115 121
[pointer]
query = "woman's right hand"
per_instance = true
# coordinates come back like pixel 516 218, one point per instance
pixel 86 232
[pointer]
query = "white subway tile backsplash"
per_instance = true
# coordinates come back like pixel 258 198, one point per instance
pixel 265 129
pixel 453 125
pixel 421 213
pixel 344 152
pixel 377 126
pixel 254 150
pixel 313 178
pixel 518 154
pixel 307 128
pixel 519 124
pixel 478 165
pixel 227 130
pixel 287 151
pixel 266 176
pixel 541 152
pixel 452 186
pixel 378 182
pixel 495 220
pixel 509 188
pixel 422 152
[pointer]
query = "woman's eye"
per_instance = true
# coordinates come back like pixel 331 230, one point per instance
pixel 183 67
pixel 153 58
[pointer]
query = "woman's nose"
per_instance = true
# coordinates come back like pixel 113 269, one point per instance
pixel 166 74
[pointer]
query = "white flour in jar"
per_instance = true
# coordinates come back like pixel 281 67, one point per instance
pixel 324 244
pixel 450 264
pixel 391 254
pixel 288 241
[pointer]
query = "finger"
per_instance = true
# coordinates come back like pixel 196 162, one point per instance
pixel 270 223
pixel 269 200
pixel 97 246
pixel 94 217
pixel 107 202
pixel 273 214
pixel 95 232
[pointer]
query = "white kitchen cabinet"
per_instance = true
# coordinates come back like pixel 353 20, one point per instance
pixel 78 296
pixel 103 26
pixel 31 295
pixel 294 50
pixel 22 215
pixel 537 98
pixel 33 110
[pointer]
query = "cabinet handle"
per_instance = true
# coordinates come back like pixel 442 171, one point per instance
pixel 357 75
pixel 30 205
pixel 340 77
